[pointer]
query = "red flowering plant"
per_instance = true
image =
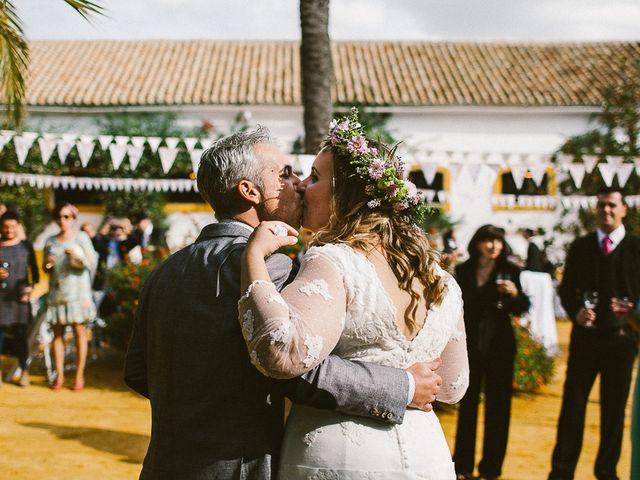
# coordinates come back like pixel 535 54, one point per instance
pixel 533 366
pixel 124 283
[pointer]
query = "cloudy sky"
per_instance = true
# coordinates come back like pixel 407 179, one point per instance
pixel 525 20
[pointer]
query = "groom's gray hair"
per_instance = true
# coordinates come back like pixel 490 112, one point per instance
pixel 229 161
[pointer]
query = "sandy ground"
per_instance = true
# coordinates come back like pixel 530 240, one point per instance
pixel 103 431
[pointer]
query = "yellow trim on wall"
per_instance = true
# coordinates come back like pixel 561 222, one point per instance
pixel 551 191
pixel 168 208
pixel 446 185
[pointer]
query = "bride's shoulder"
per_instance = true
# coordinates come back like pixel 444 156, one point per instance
pixel 337 253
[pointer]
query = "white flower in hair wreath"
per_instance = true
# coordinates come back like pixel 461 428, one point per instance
pixel 383 177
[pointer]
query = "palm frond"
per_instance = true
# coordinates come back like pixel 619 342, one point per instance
pixel 14 60
pixel 86 8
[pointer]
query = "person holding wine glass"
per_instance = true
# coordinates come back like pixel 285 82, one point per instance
pixel 607 263
pixel 492 293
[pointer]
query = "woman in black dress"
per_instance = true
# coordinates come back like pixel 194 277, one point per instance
pixel 18 272
pixel 492 293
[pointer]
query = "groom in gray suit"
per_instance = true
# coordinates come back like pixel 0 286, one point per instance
pixel 213 415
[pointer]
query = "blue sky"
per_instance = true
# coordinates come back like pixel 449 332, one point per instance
pixel 485 20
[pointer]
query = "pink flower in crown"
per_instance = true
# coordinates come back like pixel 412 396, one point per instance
pixel 358 145
pixel 340 127
pixel 391 190
pixel 376 168
pixel 411 188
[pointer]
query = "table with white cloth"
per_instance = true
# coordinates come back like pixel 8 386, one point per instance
pixel 540 318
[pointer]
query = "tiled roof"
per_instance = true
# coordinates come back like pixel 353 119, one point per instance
pixel 210 72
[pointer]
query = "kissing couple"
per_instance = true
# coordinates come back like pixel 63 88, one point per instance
pixel 227 327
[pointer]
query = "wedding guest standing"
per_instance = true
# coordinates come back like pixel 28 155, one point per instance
pixel 70 261
pixel 601 269
pixel 492 293
pixel 18 273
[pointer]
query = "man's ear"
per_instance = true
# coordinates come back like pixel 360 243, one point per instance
pixel 249 192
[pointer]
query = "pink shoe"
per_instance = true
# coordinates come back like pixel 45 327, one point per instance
pixel 58 384
pixel 78 386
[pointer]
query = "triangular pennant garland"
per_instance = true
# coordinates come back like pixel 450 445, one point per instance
pixel 429 170
pixel 105 141
pixel 117 154
pixel 590 162
pixel 607 172
pixel 4 139
pixel 138 141
pixel 195 155
pixel 121 140
pixel 206 142
pixel 167 157
pixel 172 142
pixel 474 171
pixel 538 172
pixel 64 147
pixel 154 143
pixel 22 145
pixel 623 173
pixel 85 150
pixel 190 143
pixel 577 171
pixel 519 172
pixel 615 160
pixel 47 146
pixel 135 154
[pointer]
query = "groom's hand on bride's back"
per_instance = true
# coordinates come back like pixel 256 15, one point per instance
pixel 427 383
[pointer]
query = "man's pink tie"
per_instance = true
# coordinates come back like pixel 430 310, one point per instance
pixel 606 245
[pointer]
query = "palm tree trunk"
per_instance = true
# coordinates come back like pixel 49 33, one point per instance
pixel 316 68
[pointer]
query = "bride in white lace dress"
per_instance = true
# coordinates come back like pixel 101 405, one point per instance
pixel 369 289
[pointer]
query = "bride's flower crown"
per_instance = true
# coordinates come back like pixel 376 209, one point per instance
pixel 383 178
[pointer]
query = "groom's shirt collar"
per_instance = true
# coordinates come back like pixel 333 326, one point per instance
pixel 230 221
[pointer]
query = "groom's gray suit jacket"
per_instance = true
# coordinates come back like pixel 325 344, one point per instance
pixel 214 416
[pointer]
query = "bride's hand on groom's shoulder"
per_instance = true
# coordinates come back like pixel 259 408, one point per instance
pixel 270 236
pixel 427 384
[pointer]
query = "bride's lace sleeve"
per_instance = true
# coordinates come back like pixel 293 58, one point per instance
pixel 288 334
pixel 455 362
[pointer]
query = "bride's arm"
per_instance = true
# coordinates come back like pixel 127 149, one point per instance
pixel 288 334
pixel 455 362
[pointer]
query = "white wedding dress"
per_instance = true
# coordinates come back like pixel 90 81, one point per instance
pixel 345 303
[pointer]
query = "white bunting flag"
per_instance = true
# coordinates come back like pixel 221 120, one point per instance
pixel 117 154
pixel 69 137
pixel 636 162
pixel 577 171
pixel 85 150
pixel 494 158
pixel 564 160
pixel 121 140
pixel 607 172
pixel 615 160
pixel 22 145
pixel 47 146
pixel 87 138
pixel 135 154
pixel 190 142
pixel 4 139
pixel 623 173
pixel 105 141
pixel 590 162
pixel 492 171
pixel 514 159
pixel 195 154
pixel 429 170
pixel 306 161
pixel 167 157
pixel 474 171
pixel 518 172
pixel 538 172
pixel 154 143
pixel 138 141
pixel 206 142
pixel 172 142
pixel 64 147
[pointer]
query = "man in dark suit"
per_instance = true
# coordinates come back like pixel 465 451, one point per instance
pixel 213 414
pixel 603 265
pixel 146 234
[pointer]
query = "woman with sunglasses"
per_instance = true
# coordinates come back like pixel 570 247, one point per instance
pixel 70 261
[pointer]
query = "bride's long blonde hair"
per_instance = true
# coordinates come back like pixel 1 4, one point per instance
pixel 405 245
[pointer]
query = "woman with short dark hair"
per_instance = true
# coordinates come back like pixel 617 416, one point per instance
pixel 70 261
pixel 492 293
pixel 18 273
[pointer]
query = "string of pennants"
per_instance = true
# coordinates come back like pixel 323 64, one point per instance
pixel 569 202
pixel 119 147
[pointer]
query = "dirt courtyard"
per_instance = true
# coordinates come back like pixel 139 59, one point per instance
pixel 103 431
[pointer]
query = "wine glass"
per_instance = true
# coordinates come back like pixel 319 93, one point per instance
pixel 623 305
pixel 590 302
pixel 501 279
pixel 4 274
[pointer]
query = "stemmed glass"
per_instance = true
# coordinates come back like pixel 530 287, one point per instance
pixel 4 274
pixel 590 302
pixel 501 279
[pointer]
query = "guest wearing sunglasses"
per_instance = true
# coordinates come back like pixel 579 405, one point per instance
pixel 70 261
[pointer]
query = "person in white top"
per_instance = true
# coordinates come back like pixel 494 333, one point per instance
pixel 371 289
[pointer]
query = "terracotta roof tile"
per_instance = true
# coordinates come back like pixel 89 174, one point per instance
pixel 209 72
